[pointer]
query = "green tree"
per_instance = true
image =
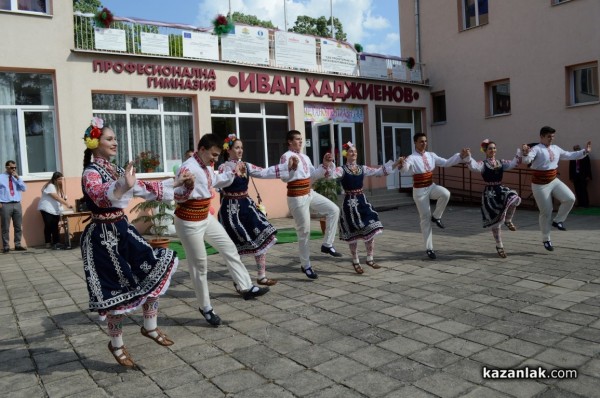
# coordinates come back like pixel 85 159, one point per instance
pixel 318 27
pixel 87 6
pixel 251 20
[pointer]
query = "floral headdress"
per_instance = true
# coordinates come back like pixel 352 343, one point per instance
pixel 345 148
pixel 92 134
pixel 228 143
pixel 484 145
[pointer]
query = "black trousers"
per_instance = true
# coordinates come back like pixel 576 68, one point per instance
pixel 581 192
pixel 51 234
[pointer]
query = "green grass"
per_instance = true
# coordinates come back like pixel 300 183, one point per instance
pixel 586 211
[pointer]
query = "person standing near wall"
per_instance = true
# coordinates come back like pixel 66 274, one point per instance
pixel 11 186
pixel 51 206
pixel 545 186
pixel 580 173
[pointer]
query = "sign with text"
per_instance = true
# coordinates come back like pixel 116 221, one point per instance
pixel 200 45
pixel 246 44
pixel 109 39
pixel 373 67
pixel 295 51
pixel 338 57
pixel 154 43
pixel 336 113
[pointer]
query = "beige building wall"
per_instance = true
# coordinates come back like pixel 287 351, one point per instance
pixel 528 42
pixel 33 43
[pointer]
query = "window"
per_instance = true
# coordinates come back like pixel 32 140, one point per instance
pixel 555 2
pixel 27 122
pixel 40 6
pixel 262 126
pixel 474 13
pixel 498 98
pixel 583 83
pixel 438 102
pixel 163 125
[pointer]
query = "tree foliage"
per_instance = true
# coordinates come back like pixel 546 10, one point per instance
pixel 251 20
pixel 318 27
pixel 87 6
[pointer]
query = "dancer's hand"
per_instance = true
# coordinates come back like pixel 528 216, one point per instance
pixel 327 160
pixel 525 149
pixel 293 163
pixel 588 147
pixel 398 163
pixel 402 161
pixel 187 179
pixel 465 152
pixel 240 169
pixel 130 176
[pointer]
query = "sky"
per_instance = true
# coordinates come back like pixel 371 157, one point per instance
pixel 372 23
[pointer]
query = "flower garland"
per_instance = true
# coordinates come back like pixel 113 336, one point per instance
pixel 346 147
pixel 410 62
pixel 221 25
pixel 228 142
pixel 104 17
pixel 92 134
pixel 358 47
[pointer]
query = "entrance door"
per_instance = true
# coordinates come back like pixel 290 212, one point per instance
pixel 396 141
pixel 326 136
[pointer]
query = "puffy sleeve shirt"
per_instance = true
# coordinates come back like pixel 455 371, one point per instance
pixel 305 168
pixel 419 163
pixel 544 157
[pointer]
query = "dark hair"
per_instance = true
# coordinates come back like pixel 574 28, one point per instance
pixel 53 180
pixel 291 134
pixel 544 131
pixel 418 135
pixel 208 141
pixel 485 145
pixel 87 154
pixel 9 162
pixel 225 152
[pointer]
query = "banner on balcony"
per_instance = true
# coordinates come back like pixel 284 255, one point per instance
pixel 200 45
pixel 373 67
pixel 295 51
pixel 247 45
pixel 338 57
pixel 336 113
pixel 154 43
pixel 109 39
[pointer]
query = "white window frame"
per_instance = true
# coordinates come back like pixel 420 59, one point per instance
pixel 14 7
pixel 465 16
pixel 490 92
pixel 592 80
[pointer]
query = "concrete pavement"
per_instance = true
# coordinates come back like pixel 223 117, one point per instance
pixel 414 328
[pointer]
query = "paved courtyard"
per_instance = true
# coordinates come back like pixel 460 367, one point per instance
pixel 414 328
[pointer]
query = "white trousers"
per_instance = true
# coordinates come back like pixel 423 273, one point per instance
pixel 422 196
pixel 300 207
pixel 192 235
pixel 543 194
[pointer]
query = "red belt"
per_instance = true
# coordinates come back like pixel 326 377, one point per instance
pixel 298 188
pixel 423 180
pixel 193 209
pixel 542 177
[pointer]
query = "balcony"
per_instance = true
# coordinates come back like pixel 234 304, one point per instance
pixel 129 33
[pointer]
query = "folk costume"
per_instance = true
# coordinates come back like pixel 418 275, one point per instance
pixel 359 221
pixel 545 185
pixel 421 167
pixel 498 202
pixel 246 225
pixel 302 200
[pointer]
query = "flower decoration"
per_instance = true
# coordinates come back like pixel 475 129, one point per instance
pixel 221 25
pixel 147 160
pixel 358 47
pixel 345 148
pixel 93 132
pixel 228 143
pixel 410 62
pixel 104 17
pixel 484 145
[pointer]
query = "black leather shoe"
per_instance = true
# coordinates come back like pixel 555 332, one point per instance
pixel 438 222
pixel 559 225
pixel 20 248
pixel 309 272
pixel 254 291
pixel 211 317
pixel 431 254
pixel 5 251
pixel 548 246
pixel 331 251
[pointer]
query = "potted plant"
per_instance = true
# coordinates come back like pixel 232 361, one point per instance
pixel 147 161
pixel 159 217
pixel 329 188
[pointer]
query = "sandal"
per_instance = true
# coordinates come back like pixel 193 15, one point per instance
pixel 357 268
pixel 373 264
pixel 123 359
pixel 510 225
pixel 266 281
pixel 501 252
pixel 161 339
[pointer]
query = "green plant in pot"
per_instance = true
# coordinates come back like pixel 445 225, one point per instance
pixel 156 213
pixel 329 188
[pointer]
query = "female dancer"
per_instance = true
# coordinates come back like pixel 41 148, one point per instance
pixel 50 206
pixel 122 271
pixel 498 203
pixel 245 223
pixel 358 219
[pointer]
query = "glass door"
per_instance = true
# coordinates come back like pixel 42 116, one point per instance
pixel 328 137
pixel 397 141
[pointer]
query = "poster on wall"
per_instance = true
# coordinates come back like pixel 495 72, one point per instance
pixel 338 57
pixel 109 39
pixel 373 67
pixel 339 113
pixel 154 43
pixel 399 71
pixel 200 45
pixel 246 44
pixel 295 51
pixel 415 74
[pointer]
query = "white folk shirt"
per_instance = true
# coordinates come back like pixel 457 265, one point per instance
pixel 305 168
pixel 418 163
pixel 544 157
pixel 205 179
pixel 275 171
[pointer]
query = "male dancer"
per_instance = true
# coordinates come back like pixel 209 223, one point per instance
pixel 544 159
pixel 302 199
pixel 420 164
pixel 194 224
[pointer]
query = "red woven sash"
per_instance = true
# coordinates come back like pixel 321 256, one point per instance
pixel 298 187
pixel 193 209
pixel 422 180
pixel 542 177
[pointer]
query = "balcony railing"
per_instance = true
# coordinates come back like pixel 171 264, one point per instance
pixel 84 39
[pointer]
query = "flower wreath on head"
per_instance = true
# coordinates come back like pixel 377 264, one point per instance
pixel 92 134
pixel 484 145
pixel 345 148
pixel 228 143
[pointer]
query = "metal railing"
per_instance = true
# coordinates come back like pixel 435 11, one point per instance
pixel 84 39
